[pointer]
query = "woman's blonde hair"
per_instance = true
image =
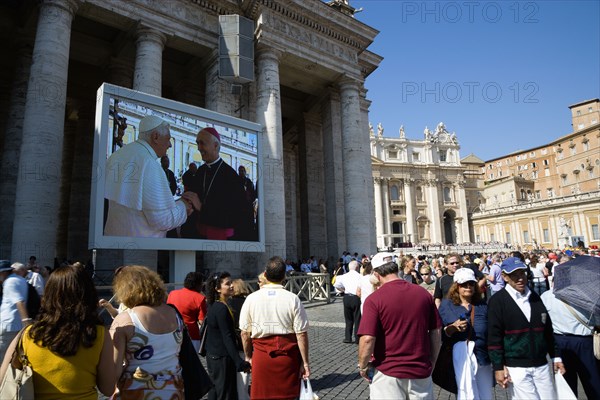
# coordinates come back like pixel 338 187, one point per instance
pixel 262 279
pixel 240 288
pixel 136 285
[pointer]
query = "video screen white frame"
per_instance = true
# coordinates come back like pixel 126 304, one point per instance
pixel 118 114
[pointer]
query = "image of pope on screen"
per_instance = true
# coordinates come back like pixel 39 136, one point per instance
pixel 140 202
pixel 217 203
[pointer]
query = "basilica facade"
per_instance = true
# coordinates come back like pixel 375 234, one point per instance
pixel 419 189
pixel 305 84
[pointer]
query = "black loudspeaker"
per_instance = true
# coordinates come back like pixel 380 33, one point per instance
pixel 236 48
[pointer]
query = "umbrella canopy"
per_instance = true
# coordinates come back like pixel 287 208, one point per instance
pixel 577 282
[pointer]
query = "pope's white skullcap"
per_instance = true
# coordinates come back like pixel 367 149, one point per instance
pixel 150 122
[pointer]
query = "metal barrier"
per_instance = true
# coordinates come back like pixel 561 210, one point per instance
pixel 309 288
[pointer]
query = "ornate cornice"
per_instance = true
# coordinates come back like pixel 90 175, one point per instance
pixel 217 7
pixel 298 15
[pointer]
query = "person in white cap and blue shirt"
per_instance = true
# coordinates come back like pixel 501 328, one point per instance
pixel 140 203
pixel 13 307
pixel 520 337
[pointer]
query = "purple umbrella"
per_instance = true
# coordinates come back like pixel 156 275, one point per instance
pixel 577 282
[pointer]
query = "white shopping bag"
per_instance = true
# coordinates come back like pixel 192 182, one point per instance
pixel 563 390
pixel 306 392
pixel 243 386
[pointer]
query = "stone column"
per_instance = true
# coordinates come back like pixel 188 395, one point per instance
pixel 334 176
pixel 218 95
pixel 38 183
pixel 386 209
pixel 366 142
pixel 409 199
pixel 433 204
pixel 356 171
pixel 13 136
pixel 378 212
pixel 120 72
pixel 459 190
pixel 268 114
pixel 147 76
pixel 291 208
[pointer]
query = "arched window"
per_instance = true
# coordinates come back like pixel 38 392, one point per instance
pixel 394 193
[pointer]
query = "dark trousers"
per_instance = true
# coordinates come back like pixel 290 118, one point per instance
pixel 224 376
pixel 351 315
pixel 577 353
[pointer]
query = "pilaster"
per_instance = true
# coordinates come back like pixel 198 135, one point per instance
pixel 312 184
pixel 334 175
pixel 462 202
pixel 409 200
pixel 378 212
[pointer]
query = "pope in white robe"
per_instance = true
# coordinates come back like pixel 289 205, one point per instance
pixel 140 203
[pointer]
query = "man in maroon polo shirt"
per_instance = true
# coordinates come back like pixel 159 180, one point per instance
pixel 400 337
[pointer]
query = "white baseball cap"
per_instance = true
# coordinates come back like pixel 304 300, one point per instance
pixel 382 258
pixel 463 275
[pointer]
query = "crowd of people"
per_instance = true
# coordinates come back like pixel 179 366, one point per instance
pixel 496 313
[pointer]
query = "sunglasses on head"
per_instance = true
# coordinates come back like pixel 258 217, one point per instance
pixel 465 284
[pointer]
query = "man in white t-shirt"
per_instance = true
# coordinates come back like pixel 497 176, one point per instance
pixel 349 284
pixel 13 310
pixel 274 329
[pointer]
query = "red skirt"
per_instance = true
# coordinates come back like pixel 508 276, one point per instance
pixel 276 363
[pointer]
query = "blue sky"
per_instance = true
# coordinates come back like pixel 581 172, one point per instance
pixel 501 74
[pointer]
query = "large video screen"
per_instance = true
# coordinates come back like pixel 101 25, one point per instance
pixel 171 176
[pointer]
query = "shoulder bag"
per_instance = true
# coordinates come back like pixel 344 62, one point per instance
pixel 18 380
pixel 196 381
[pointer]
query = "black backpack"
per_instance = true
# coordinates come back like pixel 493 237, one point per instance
pixel 33 301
